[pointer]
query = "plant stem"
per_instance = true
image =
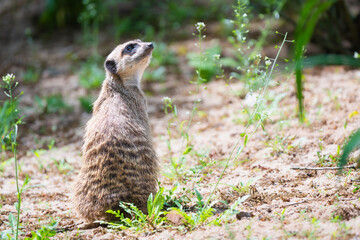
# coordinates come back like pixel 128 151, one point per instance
pixel 13 149
pixel 196 101
pixel 198 82
pixel 18 191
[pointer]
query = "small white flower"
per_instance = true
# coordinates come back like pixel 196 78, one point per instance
pixel 244 15
pixel 250 99
pixel 8 78
pixel 166 99
pixel 267 62
pixel 356 55
pixel 216 57
pixel 200 26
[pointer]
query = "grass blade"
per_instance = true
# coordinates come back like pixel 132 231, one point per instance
pixel 352 144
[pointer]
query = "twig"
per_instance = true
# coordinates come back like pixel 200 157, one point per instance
pixel 323 168
pixel 295 203
pixel 348 199
pixel 288 204
pixel 306 201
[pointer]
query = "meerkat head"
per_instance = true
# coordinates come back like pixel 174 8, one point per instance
pixel 129 60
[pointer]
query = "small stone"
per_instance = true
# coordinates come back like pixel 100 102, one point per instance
pixel 241 215
pixel 264 217
pixel 175 218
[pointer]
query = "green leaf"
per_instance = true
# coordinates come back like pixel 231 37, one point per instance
pixel 331 59
pixel 150 203
pixel 199 198
pixel 309 15
pixel 12 221
pixel 245 140
pixel 188 149
pixel 175 111
pixel 352 144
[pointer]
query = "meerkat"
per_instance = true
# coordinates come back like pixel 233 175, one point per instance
pixel 118 162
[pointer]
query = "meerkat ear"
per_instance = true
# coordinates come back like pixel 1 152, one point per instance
pixel 111 66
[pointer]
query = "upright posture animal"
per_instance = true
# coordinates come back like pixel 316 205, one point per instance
pixel 119 162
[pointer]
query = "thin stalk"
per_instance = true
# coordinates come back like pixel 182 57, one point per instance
pixel 198 82
pixel 10 89
pixel 13 148
pixel 17 188
pixel 241 148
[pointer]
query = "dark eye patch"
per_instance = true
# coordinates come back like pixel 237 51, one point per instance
pixel 129 49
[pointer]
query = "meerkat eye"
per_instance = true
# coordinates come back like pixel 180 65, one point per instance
pixel 129 48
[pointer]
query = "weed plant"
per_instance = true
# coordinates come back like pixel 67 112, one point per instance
pixel 139 221
pixel 45 232
pixel 178 168
pixel 9 85
pixel 247 54
pixel 206 63
pixel 177 197
pixel 246 135
pixel 178 163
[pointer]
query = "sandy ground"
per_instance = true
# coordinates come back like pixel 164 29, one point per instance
pixel 312 202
